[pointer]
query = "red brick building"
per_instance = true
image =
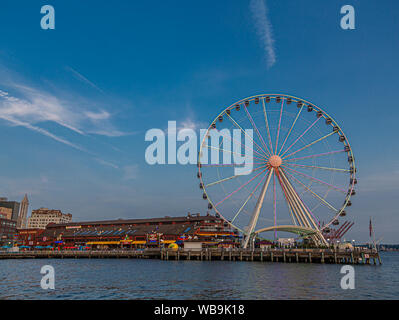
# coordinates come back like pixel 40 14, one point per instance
pixel 8 231
pixel 30 237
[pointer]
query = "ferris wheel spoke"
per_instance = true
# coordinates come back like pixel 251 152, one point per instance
pixel 300 136
pixel 292 127
pixel 256 129
pixel 239 188
pixel 315 194
pixel 267 125
pixel 279 123
pixel 314 155
pixel 249 197
pixel 237 143
pixel 317 180
pixel 230 165
pixel 235 176
pixel 310 144
pixel 275 204
pixel 315 167
pixel 239 127
pixel 232 152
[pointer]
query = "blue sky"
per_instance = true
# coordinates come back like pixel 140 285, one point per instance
pixel 84 94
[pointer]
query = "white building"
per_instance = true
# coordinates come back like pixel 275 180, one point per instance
pixel 40 218
pixel 286 242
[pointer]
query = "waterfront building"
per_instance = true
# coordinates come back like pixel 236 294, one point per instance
pixel 8 231
pixel 138 233
pixel 40 218
pixel 30 237
pixel 23 212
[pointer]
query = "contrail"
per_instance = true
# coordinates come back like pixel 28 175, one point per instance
pixel 83 78
pixel 263 29
pixel 42 131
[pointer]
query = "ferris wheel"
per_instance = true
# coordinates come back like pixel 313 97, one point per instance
pixel 302 170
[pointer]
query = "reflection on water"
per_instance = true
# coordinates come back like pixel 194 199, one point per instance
pixel 156 279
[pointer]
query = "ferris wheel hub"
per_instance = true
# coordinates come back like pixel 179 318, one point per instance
pixel 275 161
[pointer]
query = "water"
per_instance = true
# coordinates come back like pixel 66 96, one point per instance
pixel 156 279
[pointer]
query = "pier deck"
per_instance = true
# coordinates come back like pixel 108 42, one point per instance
pixel 358 256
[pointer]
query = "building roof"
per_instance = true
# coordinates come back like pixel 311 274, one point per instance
pixel 121 232
pixel 135 221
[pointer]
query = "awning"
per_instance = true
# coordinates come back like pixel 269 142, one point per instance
pixel 116 242
pixel 102 242
pixel 214 234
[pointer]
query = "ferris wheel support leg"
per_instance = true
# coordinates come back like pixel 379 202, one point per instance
pixel 318 237
pixel 293 205
pixel 303 209
pixel 257 209
pixel 296 204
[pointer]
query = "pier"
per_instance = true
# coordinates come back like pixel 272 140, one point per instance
pixel 330 256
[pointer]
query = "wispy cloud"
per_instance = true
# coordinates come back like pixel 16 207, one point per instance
pixel 186 126
pixel 130 172
pixel 34 106
pixel 37 107
pixel 101 115
pixel 189 123
pixel 107 163
pixel 30 108
pixel 264 29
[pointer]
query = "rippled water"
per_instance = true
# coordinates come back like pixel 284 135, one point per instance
pixel 156 279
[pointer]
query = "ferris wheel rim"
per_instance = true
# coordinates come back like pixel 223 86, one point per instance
pixel 304 102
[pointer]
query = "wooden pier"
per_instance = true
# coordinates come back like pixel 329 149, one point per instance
pixel 331 256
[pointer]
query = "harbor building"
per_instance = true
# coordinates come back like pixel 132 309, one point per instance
pixel 30 237
pixel 40 218
pixel 200 231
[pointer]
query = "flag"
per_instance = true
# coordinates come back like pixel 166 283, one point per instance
pixel 371 227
